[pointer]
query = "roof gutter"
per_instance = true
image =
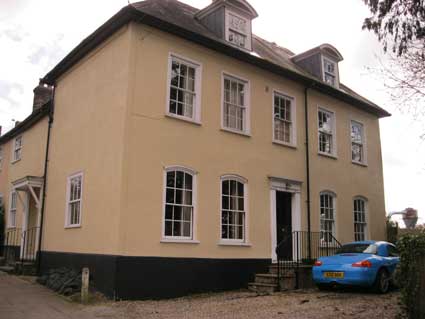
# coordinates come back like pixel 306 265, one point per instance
pixel 129 13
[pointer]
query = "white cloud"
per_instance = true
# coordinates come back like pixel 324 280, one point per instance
pixel 35 35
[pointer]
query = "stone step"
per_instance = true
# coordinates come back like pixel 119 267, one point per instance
pixel 262 288
pixel 285 271
pixel 7 269
pixel 25 268
pixel 266 279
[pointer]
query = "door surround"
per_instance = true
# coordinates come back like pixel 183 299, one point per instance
pixel 278 184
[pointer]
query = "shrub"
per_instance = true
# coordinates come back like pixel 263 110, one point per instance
pixel 411 275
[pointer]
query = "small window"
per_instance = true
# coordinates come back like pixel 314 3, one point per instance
pixel 329 72
pixel 357 142
pixel 327 217
pixel 326 132
pixel 360 223
pixel 238 30
pixel 12 209
pixel 74 200
pixel 17 149
pixel 283 122
pixel 235 108
pixel 233 210
pixel 184 100
pixel 179 207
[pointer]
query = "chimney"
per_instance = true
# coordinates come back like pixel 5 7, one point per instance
pixel 17 123
pixel 42 95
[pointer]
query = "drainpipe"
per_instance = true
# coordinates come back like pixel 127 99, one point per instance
pixel 46 161
pixel 307 162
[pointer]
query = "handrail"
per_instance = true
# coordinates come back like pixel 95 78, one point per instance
pixel 303 247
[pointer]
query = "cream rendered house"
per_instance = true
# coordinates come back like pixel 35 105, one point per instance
pixel 183 147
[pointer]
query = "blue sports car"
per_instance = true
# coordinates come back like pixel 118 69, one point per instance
pixel 363 263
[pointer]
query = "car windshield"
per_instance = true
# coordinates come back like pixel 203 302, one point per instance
pixel 358 249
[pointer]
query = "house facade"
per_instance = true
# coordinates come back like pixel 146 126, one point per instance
pixel 178 148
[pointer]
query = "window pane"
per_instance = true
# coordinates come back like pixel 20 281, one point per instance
pixel 179 196
pixel 188 181
pixel 188 198
pixel 170 196
pixel 168 228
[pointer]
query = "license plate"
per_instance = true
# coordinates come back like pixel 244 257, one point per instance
pixel 333 274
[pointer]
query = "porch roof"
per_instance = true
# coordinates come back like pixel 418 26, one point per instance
pixel 24 182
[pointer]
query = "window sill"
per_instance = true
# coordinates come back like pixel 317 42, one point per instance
pixel 328 155
pixel 72 226
pixel 15 161
pixel 280 143
pixel 359 163
pixel 179 241
pixel 182 118
pixel 234 243
pixel 236 132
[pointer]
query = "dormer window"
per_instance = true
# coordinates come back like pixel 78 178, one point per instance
pixel 230 20
pixel 321 62
pixel 238 30
pixel 329 72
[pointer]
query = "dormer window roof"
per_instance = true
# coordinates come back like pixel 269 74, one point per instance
pixel 230 20
pixel 322 62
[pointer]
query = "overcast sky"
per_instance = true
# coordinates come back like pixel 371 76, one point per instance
pixel 35 35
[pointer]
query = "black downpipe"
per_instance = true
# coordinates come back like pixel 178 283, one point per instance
pixel 46 161
pixel 307 162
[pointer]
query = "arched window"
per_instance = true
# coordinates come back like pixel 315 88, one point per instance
pixel 233 208
pixel 327 216
pixel 360 223
pixel 179 203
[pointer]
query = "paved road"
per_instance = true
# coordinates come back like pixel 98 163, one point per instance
pixel 21 299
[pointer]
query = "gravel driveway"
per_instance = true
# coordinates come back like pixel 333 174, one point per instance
pixel 241 304
pixel 21 299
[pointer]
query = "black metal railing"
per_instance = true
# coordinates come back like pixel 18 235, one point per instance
pixel 300 248
pixel 29 245
pixel 11 244
pixel 19 245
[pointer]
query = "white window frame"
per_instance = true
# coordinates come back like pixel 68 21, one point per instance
pixel 363 144
pixel 334 228
pixel 14 149
pixel 293 137
pixel 12 210
pixel 247 34
pixel 247 101
pixel 333 152
pixel 68 202
pixel 245 240
pixel 180 239
pixel 365 212
pixel 324 72
pixel 196 114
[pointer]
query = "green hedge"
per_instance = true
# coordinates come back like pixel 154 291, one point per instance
pixel 411 275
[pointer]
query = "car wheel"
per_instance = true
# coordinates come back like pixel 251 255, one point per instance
pixel 382 282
